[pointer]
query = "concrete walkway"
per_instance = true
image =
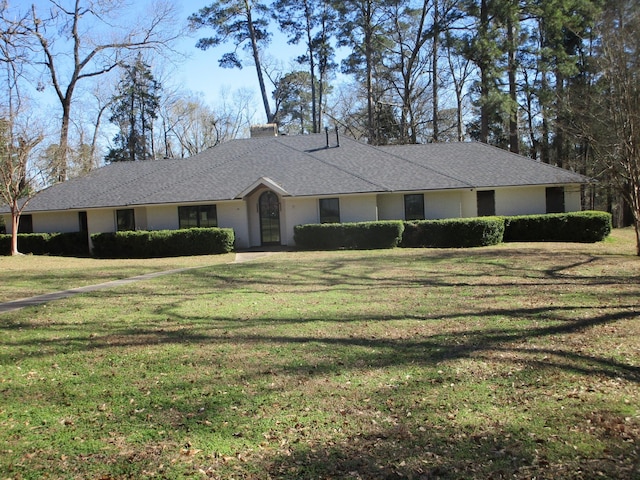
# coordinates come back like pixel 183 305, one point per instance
pixel 248 255
pixel 13 305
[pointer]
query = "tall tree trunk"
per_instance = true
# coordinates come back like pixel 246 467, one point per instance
pixel 544 142
pixel 132 129
pixel 434 65
pixel 62 153
pixel 368 38
pixel 256 58
pixel 559 134
pixel 514 140
pixel 96 130
pixel 484 74
pixel 323 65
pixel 15 224
pixel 458 85
pixel 95 60
pixel 312 69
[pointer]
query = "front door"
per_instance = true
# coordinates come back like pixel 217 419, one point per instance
pixel 269 218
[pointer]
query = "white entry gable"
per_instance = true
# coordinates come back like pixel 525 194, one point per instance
pixel 262 182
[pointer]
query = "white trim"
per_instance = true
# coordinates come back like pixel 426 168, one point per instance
pixel 263 182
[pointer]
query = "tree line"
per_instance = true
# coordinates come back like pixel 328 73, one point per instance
pixel 555 80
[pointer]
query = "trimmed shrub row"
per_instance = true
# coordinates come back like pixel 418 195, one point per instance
pixel 72 244
pixel 359 235
pixel 454 233
pixel 163 243
pixel 584 227
pixel 580 227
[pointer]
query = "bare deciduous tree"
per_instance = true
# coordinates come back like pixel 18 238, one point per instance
pixel 84 39
pixel 16 147
pixel 614 125
pixel 17 141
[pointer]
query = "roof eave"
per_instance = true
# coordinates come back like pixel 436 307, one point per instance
pixel 262 182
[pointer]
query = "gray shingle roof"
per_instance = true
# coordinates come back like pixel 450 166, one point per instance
pixel 301 166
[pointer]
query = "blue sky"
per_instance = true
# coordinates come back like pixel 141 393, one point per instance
pixel 201 73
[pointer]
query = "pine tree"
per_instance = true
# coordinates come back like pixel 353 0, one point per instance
pixel 363 30
pixel 313 23
pixel 484 47
pixel 294 103
pixel 134 108
pixel 246 23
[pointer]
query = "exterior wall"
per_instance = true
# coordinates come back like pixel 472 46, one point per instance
pixel 60 222
pixel 445 204
pixel 521 201
pixel 572 199
pixel 391 206
pixel 101 221
pixel 297 211
pixel 532 200
pixel 165 217
pixel 468 204
pixel 462 203
pixel 358 208
pixel 242 215
pixel 53 222
pixel 300 211
pixel 140 218
pixel 234 215
pixel 162 217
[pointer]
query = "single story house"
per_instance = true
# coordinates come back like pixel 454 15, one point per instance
pixel 265 185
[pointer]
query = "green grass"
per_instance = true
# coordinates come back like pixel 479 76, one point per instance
pixel 514 361
pixel 30 275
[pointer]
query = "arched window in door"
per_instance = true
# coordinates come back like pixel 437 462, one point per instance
pixel 269 207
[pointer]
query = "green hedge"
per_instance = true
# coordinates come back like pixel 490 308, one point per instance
pixel 63 244
pixel 589 226
pixel 163 243
pixel 359 235
pixel 582 227
pixel 453 233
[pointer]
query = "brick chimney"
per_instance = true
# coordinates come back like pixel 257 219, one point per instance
pixel 266 130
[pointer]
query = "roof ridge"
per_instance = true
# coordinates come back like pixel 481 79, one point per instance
pixel 114 165
pixel 337 167
pixel 424 167
pixel 522 157
pixel 206 165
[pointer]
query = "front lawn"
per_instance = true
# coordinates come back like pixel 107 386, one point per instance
pixel 30 275
pixel 513 361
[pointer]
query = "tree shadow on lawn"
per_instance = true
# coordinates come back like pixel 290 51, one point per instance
pixel 168 323
pixel 445 452
pixel 480 268
pixel 384 352
pixel 378 351
pixel 395 448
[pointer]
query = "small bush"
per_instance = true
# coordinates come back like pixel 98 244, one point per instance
pixel 454 233
pixel 163 243
pixel 359 235
pixel 582 227
pixel 62 244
